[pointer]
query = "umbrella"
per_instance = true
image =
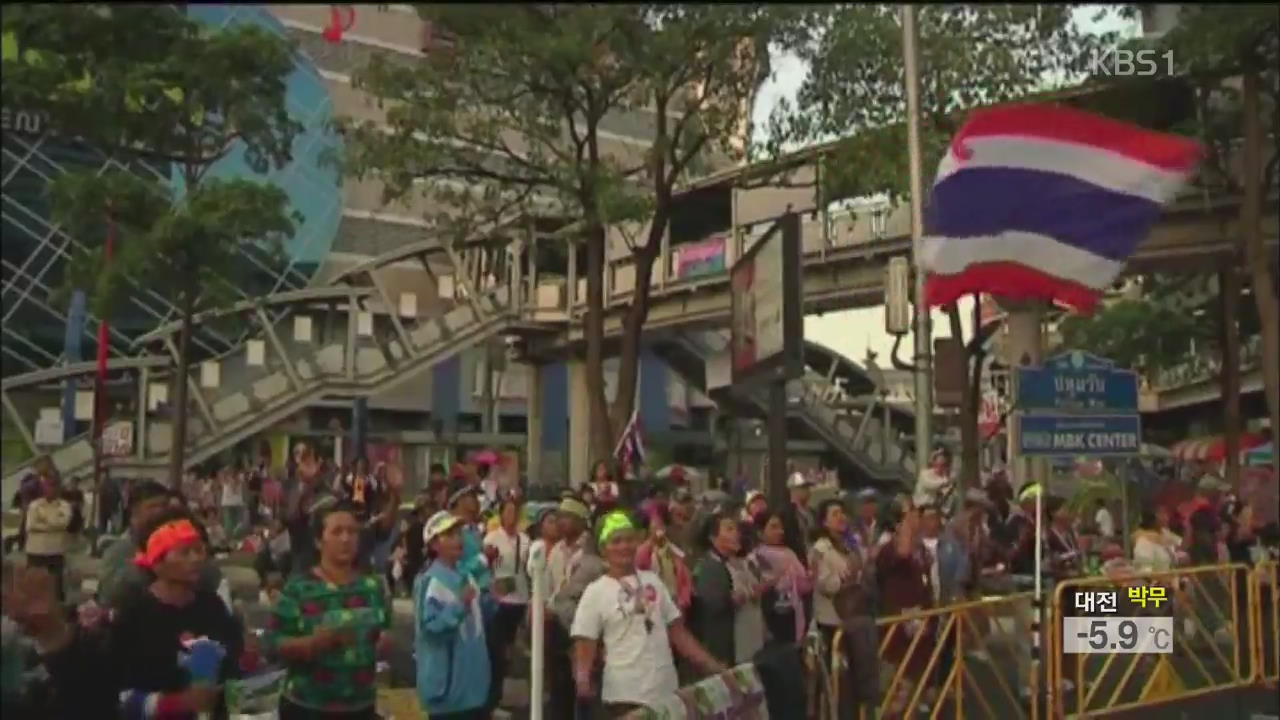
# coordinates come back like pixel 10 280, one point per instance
pixel 485 457
pixel 678 471
pixel 1212 448
pixel 1151 450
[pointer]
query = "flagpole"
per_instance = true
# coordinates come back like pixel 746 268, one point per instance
pixel 100 406
pixel 923 332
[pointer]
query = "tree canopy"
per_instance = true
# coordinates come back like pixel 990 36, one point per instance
pixel 149 80
pixel 970 56
pixel 506 115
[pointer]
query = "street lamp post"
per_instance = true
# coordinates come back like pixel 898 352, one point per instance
pixel 923 360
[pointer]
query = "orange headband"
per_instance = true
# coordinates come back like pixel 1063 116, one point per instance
pixel 167 537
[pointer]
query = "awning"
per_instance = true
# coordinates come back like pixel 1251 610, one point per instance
pixel 1212 449
pixel 1260 455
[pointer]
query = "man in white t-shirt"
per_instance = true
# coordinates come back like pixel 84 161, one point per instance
pixel 632 613
pixel 1102 518
pixel 933 480
pixel 232 501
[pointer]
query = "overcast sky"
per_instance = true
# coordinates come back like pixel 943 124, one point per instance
pixel 853 332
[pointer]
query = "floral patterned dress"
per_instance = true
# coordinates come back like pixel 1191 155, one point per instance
pixel 342 679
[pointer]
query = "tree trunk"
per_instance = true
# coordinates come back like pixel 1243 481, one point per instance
pixel 1259 261
pixel 593 326
pixel 178 440
pixel 632 326
pixel 969 447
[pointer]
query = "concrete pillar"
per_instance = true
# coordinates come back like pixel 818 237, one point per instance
pixel 1025 347
pixel 579 423
pixel 534 415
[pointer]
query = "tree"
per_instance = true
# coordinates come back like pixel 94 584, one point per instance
pixel 970 56
pixel 147 80
pixel 1231 53
pixel 509 103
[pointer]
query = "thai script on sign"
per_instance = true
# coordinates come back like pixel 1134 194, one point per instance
pixel 1080 384
pixel 23 121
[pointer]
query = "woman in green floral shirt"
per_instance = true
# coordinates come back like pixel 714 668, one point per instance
pixel 328 627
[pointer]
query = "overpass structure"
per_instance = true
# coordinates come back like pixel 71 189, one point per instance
pixel 366 343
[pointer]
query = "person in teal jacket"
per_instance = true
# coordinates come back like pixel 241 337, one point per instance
pixel 449 620
pixel 464 505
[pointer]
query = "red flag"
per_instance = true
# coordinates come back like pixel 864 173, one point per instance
pixel 104 344
pixel 341 19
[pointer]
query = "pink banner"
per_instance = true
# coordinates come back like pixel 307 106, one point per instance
pixel 701 258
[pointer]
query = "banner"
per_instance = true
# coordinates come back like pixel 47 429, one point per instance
pixel 705 257
pixel 117 439
pixel 737 694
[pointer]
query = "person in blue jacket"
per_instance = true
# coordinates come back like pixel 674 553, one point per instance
pixel 450 610
pixel 464 505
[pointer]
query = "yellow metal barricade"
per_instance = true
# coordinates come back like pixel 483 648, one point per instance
pixel 1265 604
pixel 966 660
pixel 1214 644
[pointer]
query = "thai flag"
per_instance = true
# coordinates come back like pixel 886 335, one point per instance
pixel 629 454
pixel 1046 202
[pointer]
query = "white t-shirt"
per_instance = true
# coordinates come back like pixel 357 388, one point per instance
pixel 931 544
pixel 928 486
pixel 1106 525
pixel 232 493
pixel 638 667
pixel 513 557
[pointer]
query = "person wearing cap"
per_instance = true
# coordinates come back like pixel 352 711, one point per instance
pixel 563 561
pixel 544 528
pixel 799 523
pixel 934 479
pixel 464 504
pixel 165 655
pixel 753 507
pixel 452 655
pixel 1018 533
pixel 631 614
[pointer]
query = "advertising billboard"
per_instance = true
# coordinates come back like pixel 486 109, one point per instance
pixel 767 315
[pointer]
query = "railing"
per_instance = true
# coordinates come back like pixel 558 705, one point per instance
pixel 1204 366
pixel 1213 645
pixel 973 659
pixel 965 660
pixel 1266 637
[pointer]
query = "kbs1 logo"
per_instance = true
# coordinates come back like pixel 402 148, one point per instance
pixel 1119 62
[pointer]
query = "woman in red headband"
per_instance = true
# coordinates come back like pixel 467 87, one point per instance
pixel 165 655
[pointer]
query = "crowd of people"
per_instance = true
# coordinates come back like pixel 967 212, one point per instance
pixel 645 591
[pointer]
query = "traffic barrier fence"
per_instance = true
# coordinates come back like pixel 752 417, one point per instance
pixel 974 659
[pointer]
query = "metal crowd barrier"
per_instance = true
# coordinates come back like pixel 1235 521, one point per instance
pixel 1213 646
pixel 1266 610
pixel 973 659
pixel 966 660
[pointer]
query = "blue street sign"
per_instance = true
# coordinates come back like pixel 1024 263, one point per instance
pixel 1073 435
pixel 1077 381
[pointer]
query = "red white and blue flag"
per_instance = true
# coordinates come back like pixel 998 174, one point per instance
pixel 1046 202
pixel 629 454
